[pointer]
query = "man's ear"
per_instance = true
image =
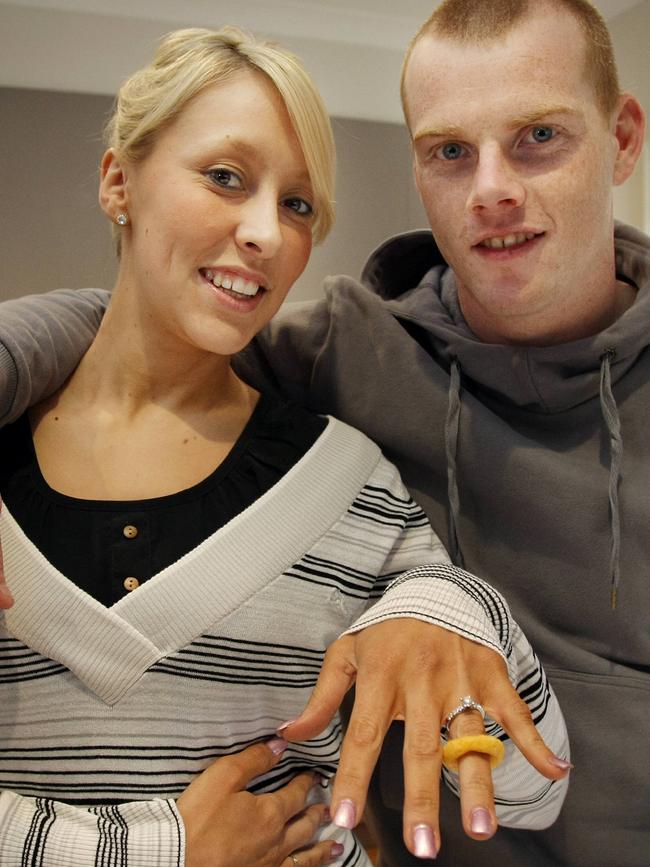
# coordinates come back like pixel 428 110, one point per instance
pixel 629 136
pixel 112 185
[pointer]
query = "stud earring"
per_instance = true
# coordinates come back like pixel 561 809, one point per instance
pixel 122 219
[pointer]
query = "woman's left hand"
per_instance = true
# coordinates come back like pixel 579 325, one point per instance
pixel 407 669
pixel 6 599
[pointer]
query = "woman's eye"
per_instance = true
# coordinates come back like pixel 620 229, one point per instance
pixel 450 151
pixel 542 134
pixel 300 206
pixel 226 178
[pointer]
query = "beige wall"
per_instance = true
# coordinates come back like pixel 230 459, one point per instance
pixel 54 233
pixel 631 36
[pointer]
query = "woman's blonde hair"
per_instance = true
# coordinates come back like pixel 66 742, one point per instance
pixel 186 62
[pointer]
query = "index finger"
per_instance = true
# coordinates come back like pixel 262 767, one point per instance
pixel 371 716
pixel 234 772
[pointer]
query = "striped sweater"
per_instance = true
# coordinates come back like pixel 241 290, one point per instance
pixel 106 715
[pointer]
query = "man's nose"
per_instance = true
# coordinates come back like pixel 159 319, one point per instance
pixel 496 185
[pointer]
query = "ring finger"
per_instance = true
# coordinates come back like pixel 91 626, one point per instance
pixel 301 830
pixel 314 856
pixel 475 780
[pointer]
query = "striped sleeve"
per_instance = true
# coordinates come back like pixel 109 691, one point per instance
pixel 456 600
pixel 40 832
pixel 442 594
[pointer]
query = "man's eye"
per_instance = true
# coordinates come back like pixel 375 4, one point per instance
pixel 542 133
pixel 450 151
pixel 226 178
pixel 300 206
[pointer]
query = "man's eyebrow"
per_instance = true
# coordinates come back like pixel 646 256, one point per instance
pixel 439 132
pixel 539 113
pixel 534 115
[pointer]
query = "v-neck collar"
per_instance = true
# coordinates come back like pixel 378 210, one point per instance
pixel 109 649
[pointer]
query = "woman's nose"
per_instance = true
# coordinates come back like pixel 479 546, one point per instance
pixel 259 229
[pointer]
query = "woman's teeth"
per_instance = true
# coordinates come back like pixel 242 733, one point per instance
pixel 234 284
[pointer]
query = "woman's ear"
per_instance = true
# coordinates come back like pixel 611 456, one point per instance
pixel 112 186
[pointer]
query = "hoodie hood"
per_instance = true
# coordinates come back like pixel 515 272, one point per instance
pixel 409 273
pixel 545 379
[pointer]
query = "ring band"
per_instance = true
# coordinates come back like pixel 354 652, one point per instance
pixel 488 745
pixel 466 703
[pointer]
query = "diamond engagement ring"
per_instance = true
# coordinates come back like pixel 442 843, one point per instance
pixel 296 862
pixel 466 703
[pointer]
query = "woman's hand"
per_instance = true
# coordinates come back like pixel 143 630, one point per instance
pixel 407 669
pixel 226 826
pixel 6 599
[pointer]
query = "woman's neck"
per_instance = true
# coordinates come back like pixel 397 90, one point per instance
pixel 140 417
pixel 133 362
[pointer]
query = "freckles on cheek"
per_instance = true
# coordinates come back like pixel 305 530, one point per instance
pixel 586 202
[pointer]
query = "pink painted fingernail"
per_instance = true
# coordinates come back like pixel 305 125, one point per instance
pixel 285 725
pixel 336 850
pixel 277 746
pixel 560 763
pixel 424 843
pixel 346 814
pixel 480 821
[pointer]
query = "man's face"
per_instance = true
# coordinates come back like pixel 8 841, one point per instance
pixel 515 162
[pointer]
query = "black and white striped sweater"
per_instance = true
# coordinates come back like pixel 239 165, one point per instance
pixel 106 715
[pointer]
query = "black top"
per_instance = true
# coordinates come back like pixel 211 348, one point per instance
pixel 103 545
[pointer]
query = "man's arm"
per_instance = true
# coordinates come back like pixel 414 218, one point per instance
pixel 42 339
pixel 282 357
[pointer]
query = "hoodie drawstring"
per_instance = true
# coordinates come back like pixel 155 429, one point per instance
pixel 609 410
pixel 451 448
pixel 610 415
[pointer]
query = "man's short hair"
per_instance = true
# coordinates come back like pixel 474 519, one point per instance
pixel 485 20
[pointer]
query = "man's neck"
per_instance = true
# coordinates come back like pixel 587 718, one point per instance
pixel 561 326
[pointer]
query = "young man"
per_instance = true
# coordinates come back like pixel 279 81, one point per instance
pixel 504 367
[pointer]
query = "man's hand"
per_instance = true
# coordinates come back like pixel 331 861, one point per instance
pixel 407 669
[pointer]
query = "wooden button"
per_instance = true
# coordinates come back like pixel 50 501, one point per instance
pixel 131 583
pixel 130 531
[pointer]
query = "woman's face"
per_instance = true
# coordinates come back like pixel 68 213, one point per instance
pixel 220 216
